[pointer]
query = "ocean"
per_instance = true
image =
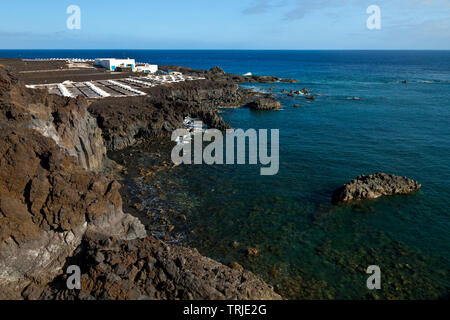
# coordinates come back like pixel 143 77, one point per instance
pixel 309 248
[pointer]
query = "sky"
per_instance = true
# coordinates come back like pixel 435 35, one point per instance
pixel 229 24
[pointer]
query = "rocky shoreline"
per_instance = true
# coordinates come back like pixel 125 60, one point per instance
pixel 60 203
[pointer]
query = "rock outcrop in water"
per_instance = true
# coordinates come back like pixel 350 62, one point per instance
pixel 374 186
pixel 264 103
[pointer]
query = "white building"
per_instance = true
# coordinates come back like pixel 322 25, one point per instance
pixel 112 63
pixel 150 68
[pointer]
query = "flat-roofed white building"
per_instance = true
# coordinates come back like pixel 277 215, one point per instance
pixel 112 63
pixel 150 68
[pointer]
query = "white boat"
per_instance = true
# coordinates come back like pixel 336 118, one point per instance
pixel 185 139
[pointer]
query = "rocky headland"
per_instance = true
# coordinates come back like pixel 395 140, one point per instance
pixel 218 74
pixel 59 204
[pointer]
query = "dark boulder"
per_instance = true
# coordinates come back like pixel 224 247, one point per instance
pixel 264 103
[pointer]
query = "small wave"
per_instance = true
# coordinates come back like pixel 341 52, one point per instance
pixel 433 81
pixel 425 81
pixel 255 89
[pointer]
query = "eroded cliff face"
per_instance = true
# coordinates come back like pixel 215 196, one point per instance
pixel 66 121
pixel 48 200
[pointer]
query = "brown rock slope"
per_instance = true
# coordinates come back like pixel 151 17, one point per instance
pixel 47 200
pixel 151 269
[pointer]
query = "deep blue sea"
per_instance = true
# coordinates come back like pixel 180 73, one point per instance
pixel 308 247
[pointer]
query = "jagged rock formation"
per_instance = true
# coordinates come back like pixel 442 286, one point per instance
pixel 151 269
pixel 264 103
pixel 373 186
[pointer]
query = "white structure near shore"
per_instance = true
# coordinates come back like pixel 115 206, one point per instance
pixel 112 63
pixel 148 68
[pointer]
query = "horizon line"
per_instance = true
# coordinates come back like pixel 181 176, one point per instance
pixel 85 49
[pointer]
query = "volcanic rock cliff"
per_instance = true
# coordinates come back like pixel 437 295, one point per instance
pixel 48 199
pixel 163 110
pixel 56 204
pixel 65 121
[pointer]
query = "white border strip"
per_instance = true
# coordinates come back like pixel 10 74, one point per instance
pixel 64 91
pixel 148 84
pixel 97 90
pixel 123 86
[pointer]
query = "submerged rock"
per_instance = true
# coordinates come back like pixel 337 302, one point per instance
pixel 373 186
pixel 252 252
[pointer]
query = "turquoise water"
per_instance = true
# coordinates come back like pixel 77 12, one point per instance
pixel 308 247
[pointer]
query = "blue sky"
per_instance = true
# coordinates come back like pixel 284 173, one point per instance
pixel 230 24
